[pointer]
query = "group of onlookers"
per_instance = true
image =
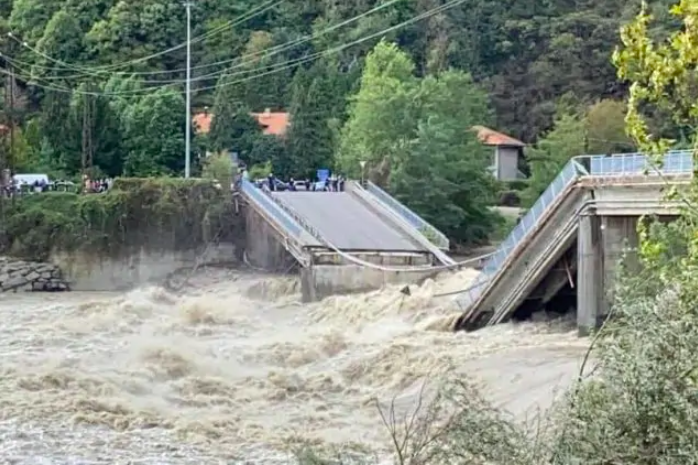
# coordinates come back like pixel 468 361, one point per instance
pixel 331 184
pixel 24 184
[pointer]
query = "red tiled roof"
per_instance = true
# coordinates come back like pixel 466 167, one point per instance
pixel 491 137
pixel 202 122
pixel 273 123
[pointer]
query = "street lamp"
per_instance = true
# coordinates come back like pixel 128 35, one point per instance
pixel 363 165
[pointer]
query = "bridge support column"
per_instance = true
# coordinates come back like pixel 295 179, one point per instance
pixel 620 241
pixel 589 273
pixel 603 242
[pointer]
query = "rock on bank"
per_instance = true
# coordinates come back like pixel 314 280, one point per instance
pixel 20 275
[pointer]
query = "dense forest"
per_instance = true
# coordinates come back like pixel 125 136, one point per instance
pixel 99 85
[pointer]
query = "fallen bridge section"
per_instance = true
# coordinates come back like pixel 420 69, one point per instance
pixel 573 238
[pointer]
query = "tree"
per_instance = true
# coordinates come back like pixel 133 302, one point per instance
pixel 443 174
pixel 233 128
pixel 62 41
pixel 417 132
pixel 220 168
pixel 271 150
pixel 605 128
pixel 266 79
pixel 310 138
pixel 154 134
pixel 102 127
pixel 135 28
pixel 380 124
pixel 29 17
pixel 565 141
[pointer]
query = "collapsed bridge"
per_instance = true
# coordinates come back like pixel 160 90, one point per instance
pixel 354 240
pixel 573 238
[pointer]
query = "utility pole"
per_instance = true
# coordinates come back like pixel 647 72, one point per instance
pixel 87 135
pixel 187 128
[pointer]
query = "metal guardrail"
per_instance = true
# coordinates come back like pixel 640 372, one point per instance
pixel 301 221
pixel 435 236
pixel 292 227
pixel 674 162
pixel 397 220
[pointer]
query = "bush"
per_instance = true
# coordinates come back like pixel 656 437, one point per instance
pixel 162 214
pixel 516 185
pixel 509 199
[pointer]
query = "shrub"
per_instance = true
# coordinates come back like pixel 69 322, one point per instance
pixel 162 213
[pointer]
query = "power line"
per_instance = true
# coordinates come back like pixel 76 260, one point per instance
pixel 275 50
pixel 94 70
pixel 274 68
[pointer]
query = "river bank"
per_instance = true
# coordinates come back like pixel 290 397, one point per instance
pixel 20 275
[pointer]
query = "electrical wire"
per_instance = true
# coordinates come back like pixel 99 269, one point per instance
pixel 94 70
pixel 267 52
pixel 274 68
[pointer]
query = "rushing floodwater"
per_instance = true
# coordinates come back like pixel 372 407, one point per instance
pixel 235 369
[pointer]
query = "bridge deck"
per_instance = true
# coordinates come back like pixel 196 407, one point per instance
pixel 345 222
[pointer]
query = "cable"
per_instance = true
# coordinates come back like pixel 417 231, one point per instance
pixel 273 50
pixel 91 70
pixel 323 240
pixel 276 68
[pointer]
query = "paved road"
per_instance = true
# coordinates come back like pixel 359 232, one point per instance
pixel 346 222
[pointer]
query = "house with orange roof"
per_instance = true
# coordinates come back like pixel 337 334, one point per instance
pixel 273 123
pixel 507 155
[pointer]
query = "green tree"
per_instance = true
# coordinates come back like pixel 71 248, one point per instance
pixel 266 82
pixel 380 124
pixel 62 40
pixel 605 126
pixel 154 135
pixel 272 150
pixel 134 28
pixel 102 127
pixel 443 174
pixel 310 138
pixel 219 167
pixel 565 141
pixel 29 17
pixel 640 406
pixel 233 128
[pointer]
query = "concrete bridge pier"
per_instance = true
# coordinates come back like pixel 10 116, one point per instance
pixel 602 242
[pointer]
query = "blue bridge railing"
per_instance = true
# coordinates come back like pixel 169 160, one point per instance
pixel 436 237
pixel 675 162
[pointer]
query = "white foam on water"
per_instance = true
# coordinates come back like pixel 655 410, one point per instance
pixel 237 368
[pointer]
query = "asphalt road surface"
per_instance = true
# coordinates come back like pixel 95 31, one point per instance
pixel 347 223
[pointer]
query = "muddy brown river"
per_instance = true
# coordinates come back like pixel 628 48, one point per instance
pixel 238 367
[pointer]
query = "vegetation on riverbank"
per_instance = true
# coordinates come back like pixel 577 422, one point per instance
pixel 99 87
pixel 635 397
pixel 160 214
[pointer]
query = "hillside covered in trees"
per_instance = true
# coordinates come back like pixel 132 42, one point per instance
pixel 99 84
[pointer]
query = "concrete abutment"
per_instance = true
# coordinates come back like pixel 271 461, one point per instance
pixel 264 247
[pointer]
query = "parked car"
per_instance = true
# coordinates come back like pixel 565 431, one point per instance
pixel 278 184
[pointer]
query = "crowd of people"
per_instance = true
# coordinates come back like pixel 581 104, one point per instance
pixel 331 184
pixel 33 184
